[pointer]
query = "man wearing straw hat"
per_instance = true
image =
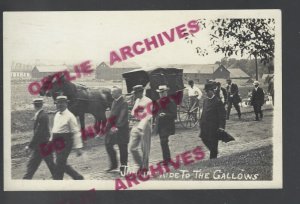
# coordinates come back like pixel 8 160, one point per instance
pixel 140 135
pixel 257 100
pixel 65 128
pixel 165 120
pixel 41 134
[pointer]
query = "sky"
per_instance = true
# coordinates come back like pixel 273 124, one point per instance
pixel 73 37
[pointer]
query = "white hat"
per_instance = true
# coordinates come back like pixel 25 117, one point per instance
pixel 162 88
pixel 255 83
pixel 61 98
pixel 37 100
pixel 137 88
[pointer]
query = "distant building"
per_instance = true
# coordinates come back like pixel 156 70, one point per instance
pixel 114 72
pixel 20 71
pixel 240 77
pixel 40 71
pixel 237 73
pixel 200 73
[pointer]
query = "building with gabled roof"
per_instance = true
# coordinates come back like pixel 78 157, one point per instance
pixel 40 71
pixel 200 73
pixel 237 73
pixel 114 72
pixel 20 71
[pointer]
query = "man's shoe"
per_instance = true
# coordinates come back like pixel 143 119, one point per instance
pixel 123 170
pixel 111 169
pixel 79 178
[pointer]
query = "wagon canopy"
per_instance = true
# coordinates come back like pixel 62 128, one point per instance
pixel 151 78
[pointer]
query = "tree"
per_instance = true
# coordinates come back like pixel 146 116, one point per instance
pixel 248 36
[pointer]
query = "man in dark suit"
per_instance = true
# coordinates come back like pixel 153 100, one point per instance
pixel 118 132
pixel 212 120
pixel 165 120
pixel 233 98
pixel 41 134
pixel 257 100
pixel 221 93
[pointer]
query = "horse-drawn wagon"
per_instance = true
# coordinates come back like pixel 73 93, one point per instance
pixel 152 78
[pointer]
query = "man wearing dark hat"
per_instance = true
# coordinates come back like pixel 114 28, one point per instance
pixel 140 135
pixel 233 98
pixel 65 128
pixel 212 120
pixel 221 93
pixel 257 100
pixel 41 134
pixel 165 120
pixel 119 132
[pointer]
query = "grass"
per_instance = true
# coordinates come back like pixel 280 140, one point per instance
pixel 255 161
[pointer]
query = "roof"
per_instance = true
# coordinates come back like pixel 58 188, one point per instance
pixel 51 68
pixel 122 65
pixel 238 73
pixel 150 69
pixel 197 68
pixel 242 81
pixel 21 68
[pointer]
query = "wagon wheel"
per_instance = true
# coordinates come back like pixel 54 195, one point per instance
pixel 188 116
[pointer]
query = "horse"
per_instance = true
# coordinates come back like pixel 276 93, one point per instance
pixel 81 98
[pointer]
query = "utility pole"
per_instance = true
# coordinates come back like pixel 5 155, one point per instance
pixel 256 68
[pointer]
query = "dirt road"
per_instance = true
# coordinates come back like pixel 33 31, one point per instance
pixel 250 135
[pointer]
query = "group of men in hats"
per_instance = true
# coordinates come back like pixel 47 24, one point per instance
pixel 138 139
pixel 65 128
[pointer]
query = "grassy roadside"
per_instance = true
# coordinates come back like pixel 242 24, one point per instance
pixel 254 164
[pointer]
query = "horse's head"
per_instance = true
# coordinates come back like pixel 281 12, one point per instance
pixel 53 85
pixel 108 97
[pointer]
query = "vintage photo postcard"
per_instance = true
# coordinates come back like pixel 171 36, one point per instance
pixel 142 100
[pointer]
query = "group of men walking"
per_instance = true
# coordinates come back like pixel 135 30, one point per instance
pixel 140 134
pixel 65 128
pixel 137 140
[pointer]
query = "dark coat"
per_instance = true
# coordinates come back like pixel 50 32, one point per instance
pixel 258 97
pixel 234 90
pixel 212 118
pixel 119 110
pixel 41 131
pixel 166 123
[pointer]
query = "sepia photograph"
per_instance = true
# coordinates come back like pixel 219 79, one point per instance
pixel 142 100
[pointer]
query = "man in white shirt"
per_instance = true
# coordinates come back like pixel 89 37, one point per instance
pixel 65 127
pixel 140 134
pixel 195 95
